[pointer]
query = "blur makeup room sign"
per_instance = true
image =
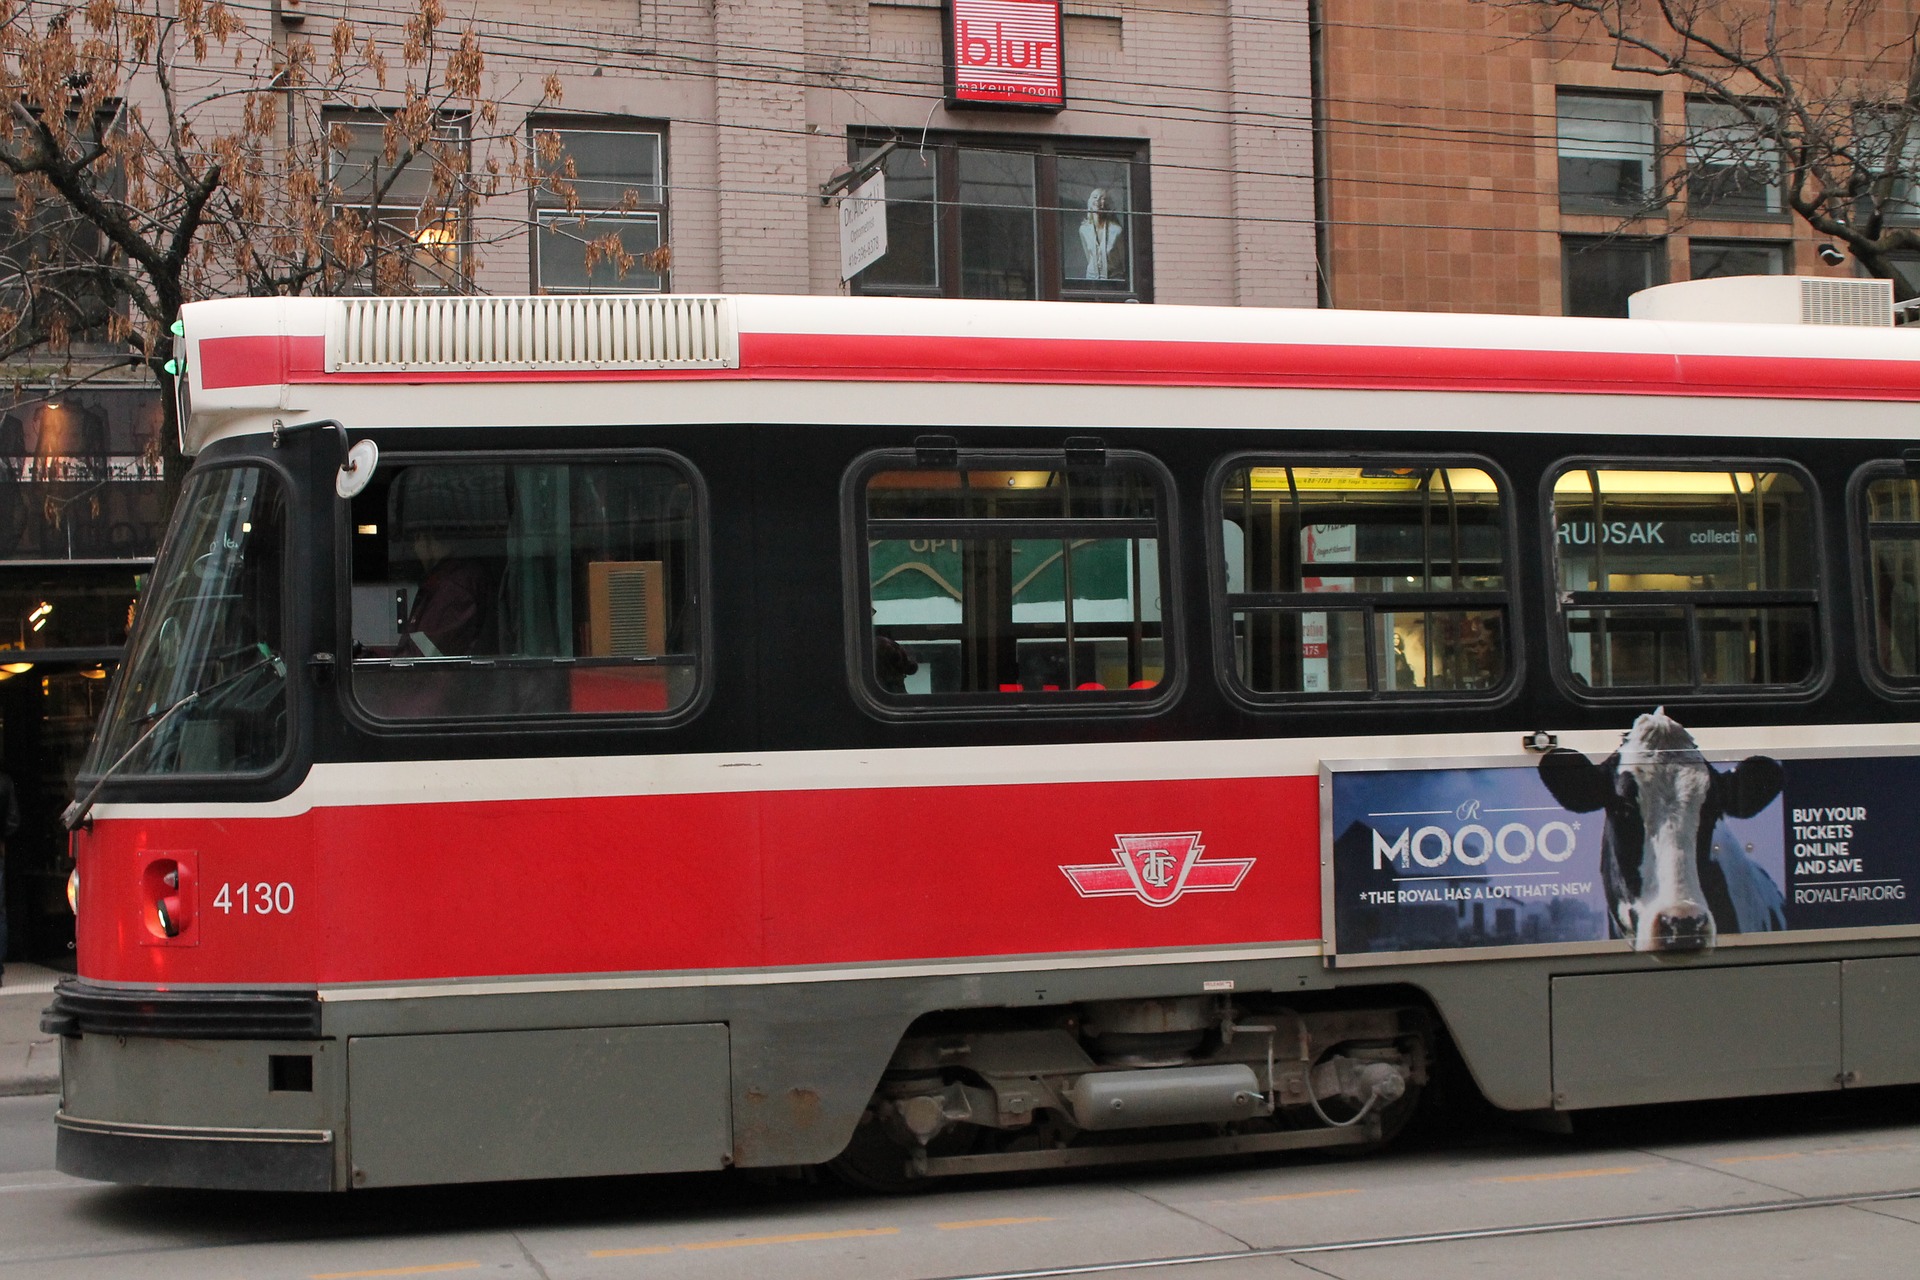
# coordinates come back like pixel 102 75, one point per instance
pixel 1005 53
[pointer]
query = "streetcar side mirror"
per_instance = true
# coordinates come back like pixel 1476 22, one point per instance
pixel 356 470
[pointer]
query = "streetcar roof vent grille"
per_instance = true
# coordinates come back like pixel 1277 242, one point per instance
pixel 601 331
pixel 1822 300
pixel 1855 302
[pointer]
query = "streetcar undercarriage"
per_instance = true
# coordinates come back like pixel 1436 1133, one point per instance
pixel 1124 1080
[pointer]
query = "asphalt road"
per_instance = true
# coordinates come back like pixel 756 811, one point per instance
pixel 1749 1190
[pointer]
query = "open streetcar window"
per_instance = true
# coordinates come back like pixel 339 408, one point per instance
pixel 999 578
pixel 1690 577
pixel 204 690
pixel 1888 507
pixel 485 588
pixel 1378 579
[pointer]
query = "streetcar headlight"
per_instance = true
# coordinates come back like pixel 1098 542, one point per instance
pixel 73 891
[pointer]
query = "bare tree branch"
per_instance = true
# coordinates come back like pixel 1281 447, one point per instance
pixel 164 150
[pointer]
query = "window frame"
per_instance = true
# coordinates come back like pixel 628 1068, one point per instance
pixel 1572 243
pixel 1699 210
pixel 459 209
pixel 1860 551
pixel 1738 244
pixel 540 215
pixel 298 706
pixel 997 704
pixel 1902 205
pixel 109 123
pixel 1653 199
pixel 700 519
pixel 1221 607
pixel 1050 279
pixel 1560 659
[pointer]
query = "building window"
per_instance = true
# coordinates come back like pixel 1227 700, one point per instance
pixel 51 259
pixel 1888 164
pixel 410 202
pixel 1011 580
pixel 527 587
pixel 1599 273
pixel 1606 154
pixel 1906 273
pixel 1711 259
pixel 1357 579
pixel 1693 579
pixel 1734 167
pixel 1007 217
pixel 599 208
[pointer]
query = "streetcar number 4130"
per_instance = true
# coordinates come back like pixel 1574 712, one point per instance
pixel 260 899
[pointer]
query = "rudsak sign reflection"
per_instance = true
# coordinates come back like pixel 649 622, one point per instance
pixel 1653 845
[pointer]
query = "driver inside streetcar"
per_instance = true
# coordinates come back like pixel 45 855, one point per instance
pixel 452 613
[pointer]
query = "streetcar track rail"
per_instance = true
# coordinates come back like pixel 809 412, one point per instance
pixel 1445 1237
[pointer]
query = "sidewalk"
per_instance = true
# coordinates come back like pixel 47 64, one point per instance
pixel 29 1058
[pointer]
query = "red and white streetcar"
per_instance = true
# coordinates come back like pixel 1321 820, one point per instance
pixel 600 735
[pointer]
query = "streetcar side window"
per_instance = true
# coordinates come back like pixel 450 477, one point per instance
pixel 1686 577
pixel 1342 580
pixel 489 588
pixel 1011 578
pixel 1889 508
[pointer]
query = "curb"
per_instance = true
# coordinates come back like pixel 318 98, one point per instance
pixel 30 1086
pixel 29 1057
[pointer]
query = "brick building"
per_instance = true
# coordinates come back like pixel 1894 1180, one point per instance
pixel 1470 166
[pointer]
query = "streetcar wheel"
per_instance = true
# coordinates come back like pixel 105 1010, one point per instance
pixel 877 1160
pixel 873 1161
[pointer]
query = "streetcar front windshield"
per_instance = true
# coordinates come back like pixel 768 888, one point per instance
pixel 204 688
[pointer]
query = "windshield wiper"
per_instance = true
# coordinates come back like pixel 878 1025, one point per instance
pixel 76 813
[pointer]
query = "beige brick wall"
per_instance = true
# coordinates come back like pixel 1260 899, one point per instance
pixel 1270 150
pixel 758 98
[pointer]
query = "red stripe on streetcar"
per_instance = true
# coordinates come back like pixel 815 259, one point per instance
pixel 261 361
pixel 626 884
pixel 266 361
pixel 839 357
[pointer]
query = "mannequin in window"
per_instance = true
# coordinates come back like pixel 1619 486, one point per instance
pixel 1100 232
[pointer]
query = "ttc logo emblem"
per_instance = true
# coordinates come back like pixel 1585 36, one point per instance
pixel 1157 869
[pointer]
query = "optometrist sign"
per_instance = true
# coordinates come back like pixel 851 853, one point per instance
pixel 1005 53
pixel 863 226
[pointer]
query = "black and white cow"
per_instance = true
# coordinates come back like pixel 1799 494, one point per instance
pixel 1674 876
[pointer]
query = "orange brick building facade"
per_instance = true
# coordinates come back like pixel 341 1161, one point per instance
pixel 1443 150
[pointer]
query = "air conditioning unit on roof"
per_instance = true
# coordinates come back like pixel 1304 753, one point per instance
pixel 1769 300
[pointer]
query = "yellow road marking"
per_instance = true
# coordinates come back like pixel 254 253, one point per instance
pixel 1568 1173
pixel 429 1269
pixel 988 1222
pixel 1820 1151
pixel 1300 1195
pixel 800 1237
